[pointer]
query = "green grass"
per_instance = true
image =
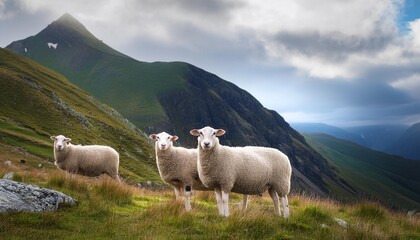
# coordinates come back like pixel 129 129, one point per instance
pixel 109 210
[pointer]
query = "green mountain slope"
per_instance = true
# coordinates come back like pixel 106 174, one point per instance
pixel 36 102
pixel 390 179
pixel 174 97
pixel 126 84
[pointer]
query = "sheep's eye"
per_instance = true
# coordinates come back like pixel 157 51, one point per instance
pixel 214 133
pixel 201 133
pixel 169 138
pixel 157 138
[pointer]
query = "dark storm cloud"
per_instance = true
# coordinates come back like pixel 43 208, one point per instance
pixel 332 46
pixel 215 7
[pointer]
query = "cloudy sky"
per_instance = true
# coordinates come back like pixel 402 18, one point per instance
pixel 341 62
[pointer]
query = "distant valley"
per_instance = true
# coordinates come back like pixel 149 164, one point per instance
pixel 392 139
pixel 373 175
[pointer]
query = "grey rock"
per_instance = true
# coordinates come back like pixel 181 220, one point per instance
pixel 17 197
pixel 341 222
pixel 413 213
pixel 8 163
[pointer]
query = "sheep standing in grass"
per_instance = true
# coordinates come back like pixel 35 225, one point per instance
pixel 246 170
pixel 90 160
pixel 178 167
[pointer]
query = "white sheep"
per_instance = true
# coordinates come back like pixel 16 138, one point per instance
pixel 89 160
pixel 246 170
pixel 178 167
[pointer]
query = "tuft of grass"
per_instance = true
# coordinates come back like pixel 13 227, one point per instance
pixel 68 181
pixel 315 213
pixel 371 212
pixel 113 191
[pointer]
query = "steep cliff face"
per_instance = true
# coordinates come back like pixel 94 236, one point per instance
pixel 173 97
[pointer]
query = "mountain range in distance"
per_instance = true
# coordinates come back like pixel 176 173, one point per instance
pixel 401 140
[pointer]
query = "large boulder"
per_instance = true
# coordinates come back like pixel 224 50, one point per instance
pixel 18 197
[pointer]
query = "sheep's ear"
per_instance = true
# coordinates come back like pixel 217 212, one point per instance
pixel 67 140
pixel 53 138
pixel 220 132
pixel 152 136
pixel 195 132
pixel 174 138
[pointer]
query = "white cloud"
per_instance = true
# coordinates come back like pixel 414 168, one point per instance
pixel 324 39
pixel 357 17
pixel 410 84
pixel 414 35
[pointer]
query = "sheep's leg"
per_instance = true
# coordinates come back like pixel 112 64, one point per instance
pixel 276 202
pixel 113 174
pixel 285 202
pixel 187 198
pixel 245 202
pixel 225 203
pixel 177 192
pixel 116 177
pixel 219 200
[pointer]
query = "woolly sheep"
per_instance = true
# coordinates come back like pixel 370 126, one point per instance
pixel 90 160
pixel 246 170
pixel 178 167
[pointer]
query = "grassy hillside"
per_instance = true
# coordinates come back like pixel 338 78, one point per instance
pixel 36 102
pixel 392 180
pixel 107 210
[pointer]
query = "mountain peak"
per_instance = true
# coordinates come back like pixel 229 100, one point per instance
pixel 68 19
pixel 68 22
pixel 67 32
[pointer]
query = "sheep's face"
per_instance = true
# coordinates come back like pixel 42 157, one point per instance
pixel 60 142
pixel 207 137
pixel 163 140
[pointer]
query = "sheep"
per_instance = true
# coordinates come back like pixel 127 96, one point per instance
pixel 246 170
pixel 178 167
pixel 89 160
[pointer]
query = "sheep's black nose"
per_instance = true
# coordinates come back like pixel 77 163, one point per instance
pixel 206 144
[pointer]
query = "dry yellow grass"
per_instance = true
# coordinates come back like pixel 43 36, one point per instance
pixel 122 211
